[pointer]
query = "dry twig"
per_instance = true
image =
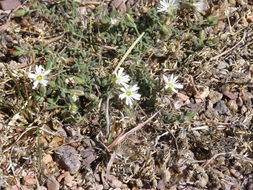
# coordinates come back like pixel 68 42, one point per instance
pixel 122 137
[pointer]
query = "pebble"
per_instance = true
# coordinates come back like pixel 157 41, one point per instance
pixel 67 158
pixel 244 109
pixel 9 4
pixel 221 107
pixel 215 96
pixel 236 173
pixel 232 105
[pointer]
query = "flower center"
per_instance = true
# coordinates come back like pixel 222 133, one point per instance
pixel 170 84
pixel 128 93
pixel 39 77
pixel 169 8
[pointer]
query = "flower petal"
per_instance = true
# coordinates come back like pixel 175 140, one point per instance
pixel 32 76
pixel 35 84
pixel 44 82
pixel 46 72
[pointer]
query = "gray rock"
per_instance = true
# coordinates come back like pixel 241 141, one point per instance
pixel 221 107
pixel 67 158
pixel 88 156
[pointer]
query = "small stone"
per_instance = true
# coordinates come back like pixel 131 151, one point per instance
pixel 236 173
pixel 9 4
pixel 52 184
pixel 88 156
pixel 215 96
pixel 67 158
pixel 47 159
pixel 211 113
pixel 221 107
pixel 232 105
pixel 239 101
pixel 244 109
pixel 230 95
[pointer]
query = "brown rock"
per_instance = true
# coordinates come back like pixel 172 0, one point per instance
pixel 9 4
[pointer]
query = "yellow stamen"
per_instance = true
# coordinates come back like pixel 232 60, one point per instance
pixel 169 8
pixel 170 84
pixel 128 93
pixel 39 77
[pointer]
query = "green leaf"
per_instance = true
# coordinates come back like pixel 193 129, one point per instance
pixel 20 13
pixel 79 80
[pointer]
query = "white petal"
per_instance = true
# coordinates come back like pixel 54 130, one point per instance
pixel 38 69
pixel 173 89
pixel 165 79
pixel 44 82
pixel 134 88
pixel 35 84
pixel 46 72
pixel 129 101
pixel 120 71
pixel 123 89
pixel 32 76
pixel 122 96
pixel 136 96
pixel 178 86
pixel 124 84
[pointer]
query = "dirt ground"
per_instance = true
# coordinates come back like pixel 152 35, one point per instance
pixel 198 138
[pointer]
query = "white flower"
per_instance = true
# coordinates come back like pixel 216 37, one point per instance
pixel 39 77
pixel 172 83
pixel 113 21
pixel 73 108
pixel 200 5
pixel 121 78
pixel 75 97
pixel 168 6
pixel 130 93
